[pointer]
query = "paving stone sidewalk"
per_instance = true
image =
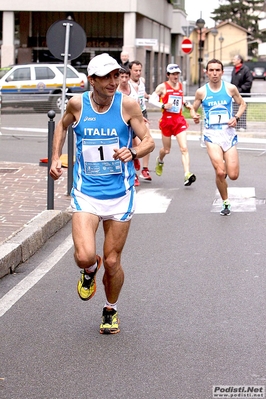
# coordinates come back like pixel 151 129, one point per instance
pixel 23 195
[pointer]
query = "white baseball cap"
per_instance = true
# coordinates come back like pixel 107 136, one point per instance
pixel 172 68
pixel 102 64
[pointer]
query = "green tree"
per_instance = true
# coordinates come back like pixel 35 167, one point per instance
pixel 245 13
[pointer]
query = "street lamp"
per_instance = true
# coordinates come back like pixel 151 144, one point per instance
pixel 221 39
pixel 200 24
pixel 214 32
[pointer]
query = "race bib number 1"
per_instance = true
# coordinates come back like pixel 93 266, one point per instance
pixel 98 156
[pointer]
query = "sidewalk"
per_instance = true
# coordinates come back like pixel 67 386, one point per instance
pixel 25 224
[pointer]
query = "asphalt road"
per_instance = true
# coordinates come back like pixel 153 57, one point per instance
pixel 192 308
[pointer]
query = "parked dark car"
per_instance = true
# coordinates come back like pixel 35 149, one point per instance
pixel 259 73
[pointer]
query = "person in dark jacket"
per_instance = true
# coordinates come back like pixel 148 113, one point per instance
pixel 124 57
pixel 242 79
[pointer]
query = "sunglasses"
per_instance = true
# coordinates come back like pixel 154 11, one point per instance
pixel 173 67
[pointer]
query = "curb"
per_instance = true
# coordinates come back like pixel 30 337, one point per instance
pixel 27 241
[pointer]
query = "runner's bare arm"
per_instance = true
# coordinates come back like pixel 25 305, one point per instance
pixel 155 96
pixel 133 115
pixel 199 95
pixel 60 136
pixel 239 100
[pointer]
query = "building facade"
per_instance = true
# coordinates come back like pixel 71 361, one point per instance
pixel 110 26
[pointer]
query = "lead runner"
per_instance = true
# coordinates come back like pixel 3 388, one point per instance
pixel 103 186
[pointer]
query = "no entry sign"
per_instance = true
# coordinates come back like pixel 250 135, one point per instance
pixel 187 46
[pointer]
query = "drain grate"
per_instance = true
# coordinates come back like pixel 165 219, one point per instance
pixel 8 170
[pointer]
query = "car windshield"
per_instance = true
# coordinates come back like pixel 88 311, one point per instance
pixel 70 73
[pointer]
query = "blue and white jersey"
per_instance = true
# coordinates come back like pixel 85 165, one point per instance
pixel 217 107
pixel 96 173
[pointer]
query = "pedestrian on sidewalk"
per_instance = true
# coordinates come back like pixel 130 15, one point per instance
pixel 219 126
pixel 169 97
pixel 242 78
pixel 103 183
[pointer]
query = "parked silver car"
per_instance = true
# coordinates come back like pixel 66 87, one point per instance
pixel 40 86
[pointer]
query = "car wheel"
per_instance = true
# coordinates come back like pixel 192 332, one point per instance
pixel 56 103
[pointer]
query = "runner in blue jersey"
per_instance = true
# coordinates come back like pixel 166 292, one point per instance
pixel 219 126
pixel 103 181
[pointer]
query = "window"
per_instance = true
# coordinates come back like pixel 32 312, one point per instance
pixel 70 73
pixel 44 73
pixel 19 74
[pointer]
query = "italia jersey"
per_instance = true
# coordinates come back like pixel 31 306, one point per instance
pixel 217 107
pixel 175 97
pixel 96 173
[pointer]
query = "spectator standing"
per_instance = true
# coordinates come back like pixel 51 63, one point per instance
pixel 242 79
pixel 124 57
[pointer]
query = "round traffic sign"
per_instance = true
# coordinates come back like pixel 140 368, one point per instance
pixel 56 36
pixel 187 46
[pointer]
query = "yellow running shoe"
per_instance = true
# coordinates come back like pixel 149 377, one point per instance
pixel 159 167
pixel 189 179
pixel 110 321
pixel 87 284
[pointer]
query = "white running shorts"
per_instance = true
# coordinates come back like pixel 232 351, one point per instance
pixel 120 209
pixel 225 138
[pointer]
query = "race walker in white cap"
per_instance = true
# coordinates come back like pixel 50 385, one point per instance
pixel 169 97
pixel 103 178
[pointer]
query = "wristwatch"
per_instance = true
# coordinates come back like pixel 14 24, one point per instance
pixel 237 118
pixel 162 106
pixel 133 153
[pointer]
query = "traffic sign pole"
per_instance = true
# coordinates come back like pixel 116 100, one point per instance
pixel 66 55
pixel 187 48
pixel 59 38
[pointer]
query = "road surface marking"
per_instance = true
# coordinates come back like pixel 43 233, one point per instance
pixel 10 298
pixel 153 201
pixel 26 129
pixel 242 199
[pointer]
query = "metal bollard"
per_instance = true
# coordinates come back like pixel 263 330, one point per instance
pixel 50 181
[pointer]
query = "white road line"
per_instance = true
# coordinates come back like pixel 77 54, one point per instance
pixel 8 300
pixel 242 199
pixel 153 201
pixel 27 129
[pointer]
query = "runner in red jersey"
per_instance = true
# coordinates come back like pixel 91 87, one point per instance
pixel 169 97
